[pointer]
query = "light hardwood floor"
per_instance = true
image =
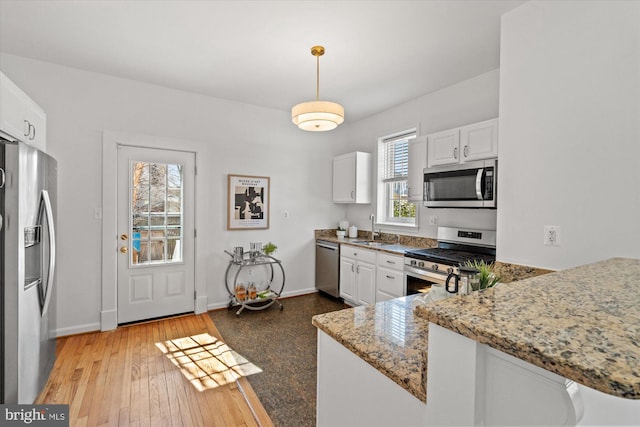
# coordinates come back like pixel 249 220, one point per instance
pixel 170 372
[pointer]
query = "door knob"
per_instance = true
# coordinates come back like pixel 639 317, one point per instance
pixel 123 249
pixel 123 237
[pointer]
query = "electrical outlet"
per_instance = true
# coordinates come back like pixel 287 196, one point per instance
pixel 552 235
pixel 433 220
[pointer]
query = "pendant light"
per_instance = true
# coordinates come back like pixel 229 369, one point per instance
pixel 317 115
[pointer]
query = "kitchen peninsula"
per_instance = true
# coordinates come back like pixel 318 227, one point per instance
pixel 526 342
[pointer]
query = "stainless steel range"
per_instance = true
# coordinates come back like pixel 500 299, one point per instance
pixel 428 267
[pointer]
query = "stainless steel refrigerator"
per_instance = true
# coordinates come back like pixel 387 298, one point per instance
pixel 27 270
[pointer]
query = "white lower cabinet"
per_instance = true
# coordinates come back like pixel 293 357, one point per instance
pixel 352 393
pixel 389 277
pixel 357 275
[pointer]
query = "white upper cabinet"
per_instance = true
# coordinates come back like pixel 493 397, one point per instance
pixel 479 141
pixel 468 143
pixel 352 178
pixel 20 118
pixel 443 148
pixel 417 163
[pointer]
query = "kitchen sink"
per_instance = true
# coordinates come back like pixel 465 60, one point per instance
pixel 369 242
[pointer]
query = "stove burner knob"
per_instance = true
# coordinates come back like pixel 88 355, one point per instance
pixel 413 262
pixel 450 270
pixel 421 264
pixel 434 267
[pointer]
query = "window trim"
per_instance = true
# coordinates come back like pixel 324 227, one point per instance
pixel 383 187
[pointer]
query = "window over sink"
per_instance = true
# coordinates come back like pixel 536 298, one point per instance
pixel 394 206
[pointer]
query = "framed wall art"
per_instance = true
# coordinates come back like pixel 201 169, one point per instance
pixel 248 204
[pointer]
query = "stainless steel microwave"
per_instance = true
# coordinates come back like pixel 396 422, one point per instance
pixel 465 185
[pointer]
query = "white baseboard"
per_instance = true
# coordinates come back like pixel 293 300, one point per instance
pixel 74 330
pixel 201 304
pixel 108 320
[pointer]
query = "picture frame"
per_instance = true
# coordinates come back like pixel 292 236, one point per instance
pixel 248 202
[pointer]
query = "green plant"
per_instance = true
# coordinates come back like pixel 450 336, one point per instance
pixel 269 248
pixel 486 276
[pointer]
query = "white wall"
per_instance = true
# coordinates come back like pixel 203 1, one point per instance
pixel 467 102
pixel 569 132
pixel 229 137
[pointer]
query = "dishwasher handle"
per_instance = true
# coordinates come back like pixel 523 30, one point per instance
pixel 333 248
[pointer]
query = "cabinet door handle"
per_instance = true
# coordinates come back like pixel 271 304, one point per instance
pixel 390 277
pixel 32 137
pixel 465 151
pixel 455 152
pixel 391 262
pixel 26 130
pixel 352 268
pixel 353 193
pixel 358 269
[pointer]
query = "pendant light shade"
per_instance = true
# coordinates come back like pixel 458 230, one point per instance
pixel 317 115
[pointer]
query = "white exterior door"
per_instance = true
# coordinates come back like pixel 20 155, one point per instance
pixel 155 233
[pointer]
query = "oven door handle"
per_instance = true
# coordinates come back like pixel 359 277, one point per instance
pixel 479 183
pixel 425 275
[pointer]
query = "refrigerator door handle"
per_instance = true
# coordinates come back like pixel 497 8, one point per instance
pixel 46 201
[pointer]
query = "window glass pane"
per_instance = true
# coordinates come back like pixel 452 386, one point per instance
pixel 174 200
pixel 174 176
pixel 143 256
pixel 157 220
pixel 156 212
pixel 393 172
pixel 400 206
pixel 174 252
pixel 140 220
pixel 174 232
pixel 157 198
pixel 157 174
pixel 156 250
pixel 396 159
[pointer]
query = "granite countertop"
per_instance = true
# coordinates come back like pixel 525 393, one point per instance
pixel 390 243
pixel 387 336
pixel 582 323
pixel 392 248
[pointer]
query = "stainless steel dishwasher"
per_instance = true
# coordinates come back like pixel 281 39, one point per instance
pixel 328 267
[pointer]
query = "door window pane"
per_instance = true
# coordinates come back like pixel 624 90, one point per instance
pixel 156 215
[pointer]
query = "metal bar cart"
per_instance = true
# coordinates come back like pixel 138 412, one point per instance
pixel 267 294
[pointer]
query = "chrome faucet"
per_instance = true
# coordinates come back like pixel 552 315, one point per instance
pixel 372 217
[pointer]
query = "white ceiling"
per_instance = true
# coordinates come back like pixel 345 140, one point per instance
pixel 378 53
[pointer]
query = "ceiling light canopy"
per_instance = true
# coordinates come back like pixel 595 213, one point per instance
pixel 317 115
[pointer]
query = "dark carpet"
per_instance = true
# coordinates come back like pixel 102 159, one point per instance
pixel 283 344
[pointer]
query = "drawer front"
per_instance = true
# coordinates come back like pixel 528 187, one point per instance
pixel 393 262
pixel 390 281
pixel 358 254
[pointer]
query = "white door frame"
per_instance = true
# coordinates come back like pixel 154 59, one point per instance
pixel 110 142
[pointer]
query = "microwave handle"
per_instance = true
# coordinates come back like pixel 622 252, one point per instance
pixel 479 183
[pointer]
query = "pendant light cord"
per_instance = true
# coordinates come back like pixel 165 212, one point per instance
pixel 317 78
